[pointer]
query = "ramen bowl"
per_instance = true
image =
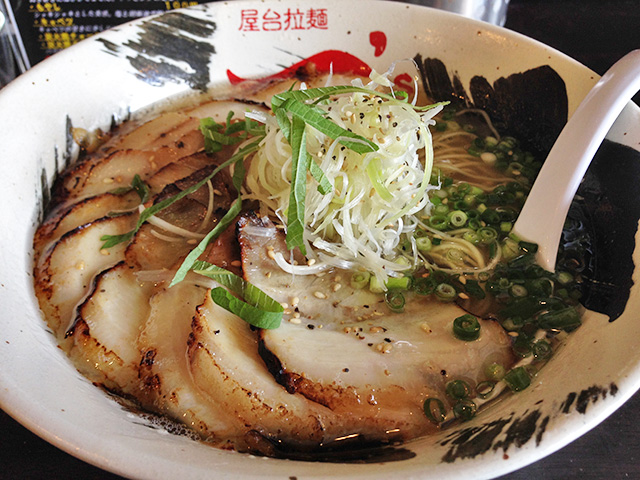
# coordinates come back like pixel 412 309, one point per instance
pixel 135 68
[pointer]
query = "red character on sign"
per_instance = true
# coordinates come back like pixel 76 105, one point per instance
pixel 249 20
pixel 317 18
pixel 271 21
pixel 294 20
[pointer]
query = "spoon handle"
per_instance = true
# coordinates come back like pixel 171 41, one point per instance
pixel 544 213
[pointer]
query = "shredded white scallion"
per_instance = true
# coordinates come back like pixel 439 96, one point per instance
pixel 376 196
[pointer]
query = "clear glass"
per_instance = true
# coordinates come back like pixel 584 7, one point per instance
pixel 492 11
pixel 7 64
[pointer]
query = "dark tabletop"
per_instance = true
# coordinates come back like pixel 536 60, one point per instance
pixel 594 32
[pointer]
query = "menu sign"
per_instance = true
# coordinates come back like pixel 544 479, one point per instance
pixel 47 26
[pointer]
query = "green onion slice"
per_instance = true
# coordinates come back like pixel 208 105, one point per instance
pixel 360 279
pixel 518 379
pixel 485 389
pixel 458 389
pixel 435 410
pixel 542 350
pixel 465 409
pixel 446 292
pixel 395 301
pixel 466 328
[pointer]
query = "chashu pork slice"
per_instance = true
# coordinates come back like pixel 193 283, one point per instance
pixel 174 130
pixel 65 275
pixel 81 213
pixel 166 384
pixel 225 365
pixel 178 170
pixel 343 348
pixel 114 171
pixel 106 329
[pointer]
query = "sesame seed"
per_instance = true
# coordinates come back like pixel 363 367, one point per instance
pixel 104 251
pixel 426 328
pixel 337 287
pixel 284 305
pixel 319 294
pixel 192 241
pixel 296 314
pixel 311 261
pixel 108 180
pixel 236 263
pixel 463 296
pixel 271 254
pixel 295 320
pixel 376 329
pixel 295 301
pixel 80 265
pixel 463 279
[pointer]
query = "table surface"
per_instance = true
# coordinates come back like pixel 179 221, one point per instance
pixel 594 32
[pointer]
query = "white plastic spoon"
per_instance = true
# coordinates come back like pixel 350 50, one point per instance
pixel 544 213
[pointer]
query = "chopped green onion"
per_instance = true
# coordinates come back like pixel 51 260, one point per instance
pixel 457 218
pixel 485 389
pixel 542 350
pixel 465 409
pixel 440 210
pixel 434 410
pixel 518 291
pixel 466 328
pixel 439 222
pixel 564 278
pixel 398 283
pixel 522 346
pixel 395 301
pixel 374 285
pixel 487 235
pixel 424 286
pixel 518 379
pixel 567 318
pixel 424 244
pixel 458 389
pixel 360 279
pixel 446 292
pixel 495 372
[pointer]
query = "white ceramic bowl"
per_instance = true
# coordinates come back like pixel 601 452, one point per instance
pixel 133 67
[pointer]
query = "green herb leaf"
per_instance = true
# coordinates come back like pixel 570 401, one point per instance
pixel 111 240
pixel 324 185
pixel 141 188
pixel 299 162
pixel 191 259
pixel 317 120
pixel 256 307
pixel 322 93
pixel 217 135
